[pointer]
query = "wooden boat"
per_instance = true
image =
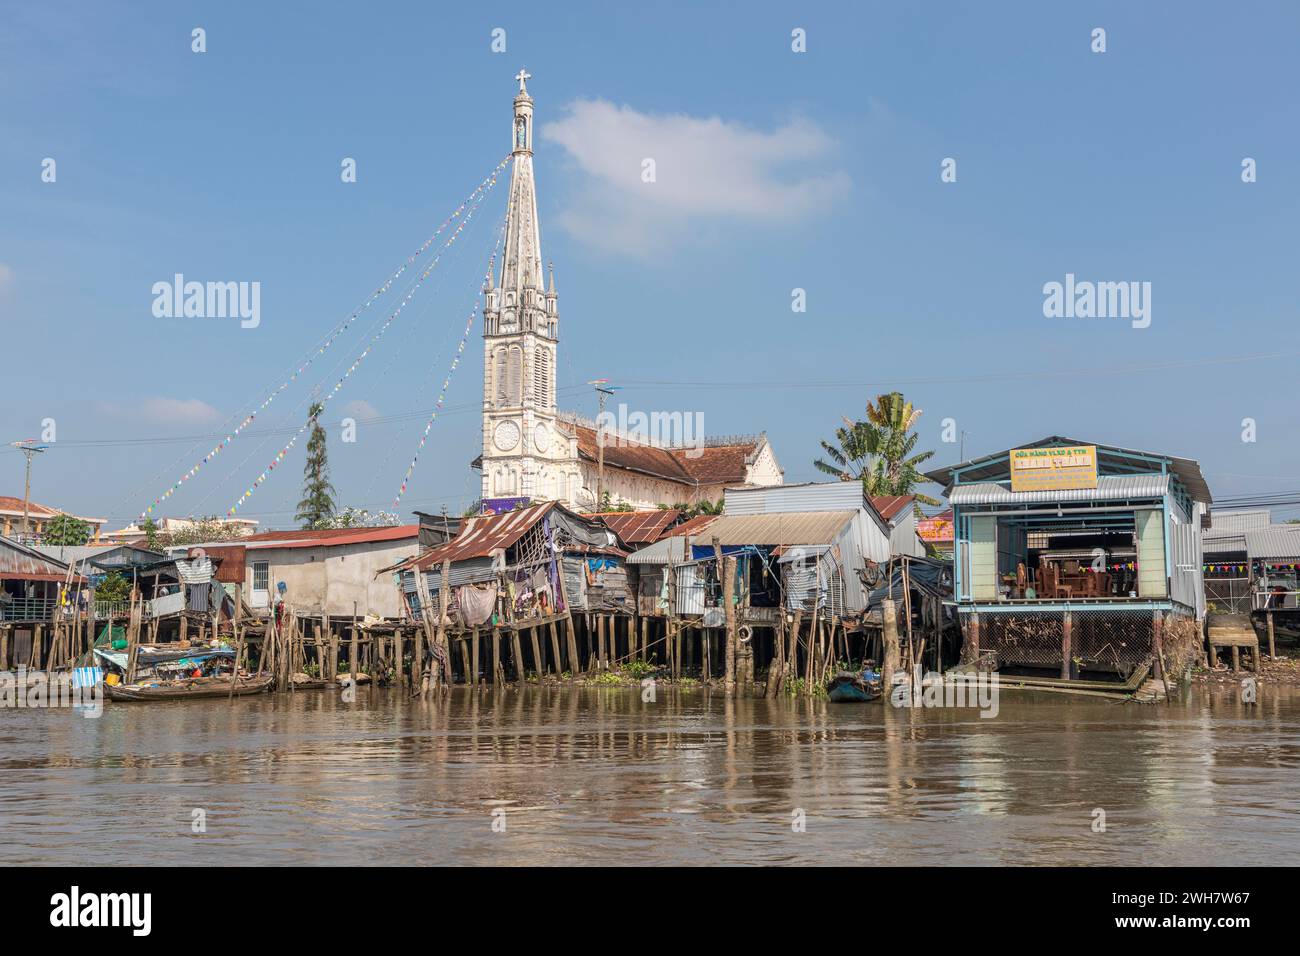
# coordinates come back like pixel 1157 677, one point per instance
pixel 847 687
pixel 190 688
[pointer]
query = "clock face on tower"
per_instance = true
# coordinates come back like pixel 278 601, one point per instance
pixel 506 435
pixel 541 437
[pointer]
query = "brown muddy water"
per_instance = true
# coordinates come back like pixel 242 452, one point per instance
pixel 597 775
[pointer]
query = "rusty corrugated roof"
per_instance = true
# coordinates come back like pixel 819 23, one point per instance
pixel 890 506
pixel 481 535
pixel 638 527
pixel 692 525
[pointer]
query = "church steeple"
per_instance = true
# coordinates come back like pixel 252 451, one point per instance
pixel 521 263
pixel 523 451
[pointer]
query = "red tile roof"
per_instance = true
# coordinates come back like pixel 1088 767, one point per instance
pixel 327 537
pixel 16 504
pixel 716 464
pixel 638 527
pixel 890 506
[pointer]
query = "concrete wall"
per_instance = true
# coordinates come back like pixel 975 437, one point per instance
pixel 331 580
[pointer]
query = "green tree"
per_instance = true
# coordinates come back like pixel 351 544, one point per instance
pixel 880 451
pixel 65 531
pixel 704 507
pixel 202 530
pixel 150 529
pixel 317 505
pixel 115 587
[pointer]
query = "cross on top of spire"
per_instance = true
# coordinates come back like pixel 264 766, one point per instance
pixel 521 76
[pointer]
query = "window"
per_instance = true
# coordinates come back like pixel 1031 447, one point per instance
pixel 261 575
pixel 542 377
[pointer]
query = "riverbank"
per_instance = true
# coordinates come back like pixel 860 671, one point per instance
pixel 1283 671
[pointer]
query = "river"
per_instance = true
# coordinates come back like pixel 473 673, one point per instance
pixel 548 775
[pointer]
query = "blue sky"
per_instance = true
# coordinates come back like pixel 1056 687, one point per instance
pixel 775 171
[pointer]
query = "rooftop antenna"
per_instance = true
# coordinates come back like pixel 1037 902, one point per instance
pixel 30 448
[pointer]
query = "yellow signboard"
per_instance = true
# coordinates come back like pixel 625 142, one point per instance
pixel 1053 469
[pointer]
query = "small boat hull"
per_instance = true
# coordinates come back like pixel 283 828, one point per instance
pixel 191 689
pixel 846 688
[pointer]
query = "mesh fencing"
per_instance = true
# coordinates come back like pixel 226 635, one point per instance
pixel 1112 639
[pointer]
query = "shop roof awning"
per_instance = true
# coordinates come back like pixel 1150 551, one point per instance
pixel 1109 488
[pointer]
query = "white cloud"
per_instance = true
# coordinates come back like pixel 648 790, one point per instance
pixel 160 410
pixel 706 171
pixel 360 409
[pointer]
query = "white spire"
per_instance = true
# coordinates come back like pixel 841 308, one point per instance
pixel 521 259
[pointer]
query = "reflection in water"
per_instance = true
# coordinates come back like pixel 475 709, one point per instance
pixel 597 775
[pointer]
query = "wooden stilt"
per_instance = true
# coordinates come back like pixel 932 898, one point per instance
pixel 538 664
pixel 497 673
pixel 473 653
pixel 518 655
pixel 555 650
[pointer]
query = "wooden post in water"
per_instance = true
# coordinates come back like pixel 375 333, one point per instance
pixel 1157 643
pixel 474 656
pixel 1272 647
pixel 791 662
pixel 555 649
pixel 516 650
pixel 442 652
pixel 776 668
pixel 889 620
pixel 498 674
pixel 727 567
pixel 538 663
pixel 353 653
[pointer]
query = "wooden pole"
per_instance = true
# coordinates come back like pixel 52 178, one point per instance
pixel 889 620
pixel 728 568
pixel 555 649
pixel 1067 633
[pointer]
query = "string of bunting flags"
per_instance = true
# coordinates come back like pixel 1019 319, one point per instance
pixel 472 201
pixel 280 455
pixel 455 363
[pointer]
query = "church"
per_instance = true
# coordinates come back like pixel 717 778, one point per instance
pixel 531 450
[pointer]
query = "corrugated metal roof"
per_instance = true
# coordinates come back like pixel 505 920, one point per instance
pixel 1279 541
pixel 481 535
pixel 793 527
pixel 638 527
pixel 995 466
pixel 670 550
pixel 1109 488
pixel 1239 520
pixel 24 563
pixel 891 506
pixel 803 497
pixel 692 525
pixel 1222 543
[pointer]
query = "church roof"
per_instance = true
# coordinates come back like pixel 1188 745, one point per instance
pixel 711 465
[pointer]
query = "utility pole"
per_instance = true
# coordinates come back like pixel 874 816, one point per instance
pixel 603 391
pixel 30 448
